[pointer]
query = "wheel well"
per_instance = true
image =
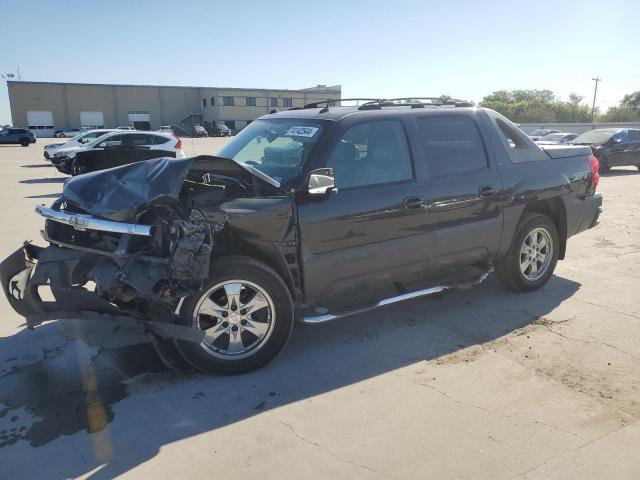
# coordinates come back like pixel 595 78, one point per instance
pixel 554 209
pixel 273 259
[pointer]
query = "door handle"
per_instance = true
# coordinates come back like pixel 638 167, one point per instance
pixel 487 191
pixel 413 203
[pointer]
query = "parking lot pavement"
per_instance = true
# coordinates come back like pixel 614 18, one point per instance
pixel 481 384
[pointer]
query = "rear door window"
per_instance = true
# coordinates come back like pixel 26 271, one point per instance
pixel 452 145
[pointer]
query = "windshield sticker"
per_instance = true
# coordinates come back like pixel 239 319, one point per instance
pixel 301 132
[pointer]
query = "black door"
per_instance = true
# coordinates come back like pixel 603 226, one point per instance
pixel 632 148
pixel 363 239
pixel 616 151
pixel 462 194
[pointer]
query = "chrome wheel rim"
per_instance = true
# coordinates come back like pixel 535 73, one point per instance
pixel 536 254
pixel 237 317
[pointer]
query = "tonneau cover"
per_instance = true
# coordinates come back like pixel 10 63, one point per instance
pixel 563 151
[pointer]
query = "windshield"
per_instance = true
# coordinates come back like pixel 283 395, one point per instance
pixel 278 148
pixel 595 137
pixel 97 140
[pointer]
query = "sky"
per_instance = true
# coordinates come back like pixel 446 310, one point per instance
pixel 374 48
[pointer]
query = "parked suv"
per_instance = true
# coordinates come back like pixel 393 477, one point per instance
pixel 614 147
pixel 78 141
pixel 221 130
pixel 17 136
pixel 310 214
pixel 129 143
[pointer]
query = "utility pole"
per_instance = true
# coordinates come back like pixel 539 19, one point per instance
pixel 595 92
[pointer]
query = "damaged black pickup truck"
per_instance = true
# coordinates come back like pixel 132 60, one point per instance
pixel 310 215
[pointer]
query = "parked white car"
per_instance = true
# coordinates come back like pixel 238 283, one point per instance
pixel 72 132
pixel 77 141
pixel 64 156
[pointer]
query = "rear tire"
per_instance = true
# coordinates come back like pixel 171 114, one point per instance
pixel 248 314
pixel 604 164
pixel 533 254
pixel 24 142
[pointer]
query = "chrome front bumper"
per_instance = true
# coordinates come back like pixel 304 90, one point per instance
pixel 81 221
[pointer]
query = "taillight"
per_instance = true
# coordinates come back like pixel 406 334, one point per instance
pixel 595 169
pixel 179 144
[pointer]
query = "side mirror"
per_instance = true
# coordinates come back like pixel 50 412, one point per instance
pixel 617 140
pixel 321 182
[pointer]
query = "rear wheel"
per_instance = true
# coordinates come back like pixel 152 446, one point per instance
pixel 533 254
pixel 604 164
pixel 24 142
pixel 246 313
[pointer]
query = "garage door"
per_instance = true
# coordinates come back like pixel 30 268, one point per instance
pixel 91 120
pixel 40 122
pixel 140 120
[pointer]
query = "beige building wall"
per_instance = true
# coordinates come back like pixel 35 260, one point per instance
pixel 48 97
pixel 83 98
pixel 165 105
pixel 241 113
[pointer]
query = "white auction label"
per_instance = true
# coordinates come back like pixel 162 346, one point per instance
pixel 301 131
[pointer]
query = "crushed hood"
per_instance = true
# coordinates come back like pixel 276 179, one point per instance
pixel 122 193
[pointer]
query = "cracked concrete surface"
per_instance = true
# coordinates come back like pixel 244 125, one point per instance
pixel 478 384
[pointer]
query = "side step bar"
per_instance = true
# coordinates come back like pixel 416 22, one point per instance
pixel 398 298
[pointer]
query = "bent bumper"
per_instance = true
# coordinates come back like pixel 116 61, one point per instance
pixel 30 267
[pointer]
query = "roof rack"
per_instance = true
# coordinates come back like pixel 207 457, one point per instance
pixel 330 102
pixel 378 103
pixel 415 102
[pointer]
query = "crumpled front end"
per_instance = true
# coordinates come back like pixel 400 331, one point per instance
pixel 128 242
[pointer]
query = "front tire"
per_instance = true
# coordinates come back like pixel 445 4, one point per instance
pixel 75 168
pixel 533 254
pixel 24 142
pixel 247 313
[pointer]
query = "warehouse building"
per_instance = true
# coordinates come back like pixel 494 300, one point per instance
pixel 46 107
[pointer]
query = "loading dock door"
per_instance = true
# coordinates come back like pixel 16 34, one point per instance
pixel 91 120
pixel 40 123
pixel 140 120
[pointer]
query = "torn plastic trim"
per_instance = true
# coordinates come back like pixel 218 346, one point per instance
pixel 81 221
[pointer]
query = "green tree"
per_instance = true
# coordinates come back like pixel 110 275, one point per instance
pixel 537 106
pixel 575 99
pixel 621 114
pixel 631 100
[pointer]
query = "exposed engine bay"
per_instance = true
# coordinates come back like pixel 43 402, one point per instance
pixel 133 239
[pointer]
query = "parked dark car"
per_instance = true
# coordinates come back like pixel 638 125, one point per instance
pixel 221 130
pixel 555 138
pixel 310 214
pixel 200 131
pixel 17 136
pixel 541 132
pixel 109 157
pixel 614 147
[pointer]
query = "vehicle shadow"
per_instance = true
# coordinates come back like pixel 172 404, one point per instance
pixel 620 173
pixel 120 406
pixel 37 165
pixel 44 180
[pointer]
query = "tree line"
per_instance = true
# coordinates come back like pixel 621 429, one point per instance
pixel 542 106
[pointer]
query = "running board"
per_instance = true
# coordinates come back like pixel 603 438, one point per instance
pixel 398 298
